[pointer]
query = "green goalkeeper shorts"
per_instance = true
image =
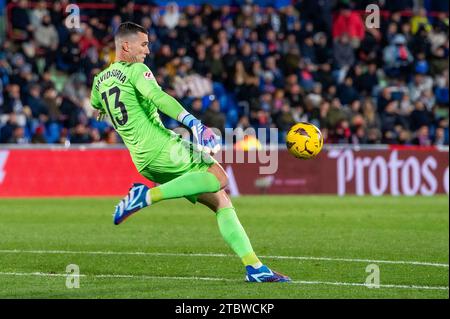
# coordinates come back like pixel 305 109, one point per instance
pixel 178 157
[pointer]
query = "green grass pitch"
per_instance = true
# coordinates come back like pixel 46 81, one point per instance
pixel 174 249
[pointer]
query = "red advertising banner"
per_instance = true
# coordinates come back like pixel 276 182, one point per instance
pixel 346 171
pixel 66 172
pixel 110 172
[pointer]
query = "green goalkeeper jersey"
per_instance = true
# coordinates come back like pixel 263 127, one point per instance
pixel 131 96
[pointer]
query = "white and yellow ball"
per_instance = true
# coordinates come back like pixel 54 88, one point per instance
pixel 304 140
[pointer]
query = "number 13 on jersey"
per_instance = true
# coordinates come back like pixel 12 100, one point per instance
pixel 117 104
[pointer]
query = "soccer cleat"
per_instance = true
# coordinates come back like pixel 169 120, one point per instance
pixel 130 204
pixel 264 274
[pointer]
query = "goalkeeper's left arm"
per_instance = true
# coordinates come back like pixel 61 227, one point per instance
pixel 146 84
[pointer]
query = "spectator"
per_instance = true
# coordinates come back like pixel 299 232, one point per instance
pixel 439 138
pixel 115 22
pixel 354 110
pixel 342 133
pixel 346 92
pixel 80 134
pixel 20 21
pixel 316 95
pixel 348 22
pixel 405 106
pixel 373 136
pixel 37 14
pixel 6 131
pixel 397 58
pixel 214 118
pixel 95 137
pixel 420 19
pixel 127 12
pixel 5 71
pixel 192 84
pixel 323 75
pixel 216 66
pixel 242 126
pixel 404 137
pixel 441 90
pixel 420 42
pixel 391 32
pixel 47 40
pixel 389 122
pixel 196 108
pixel 419 116
pixel 322 50
pixel 294 95
pixel 267 83
pixel 344 55
pixel 290 18
pixel 290 44
pixel 284 119
pixel 51 101
pixel 420 84
pixel 172 16
pixel 201 65
pixel 371 117
pixel 57 14
pixel 13 104
pixel 36 105
pixel 259 62
pixel 39 135
pixel 70 54
pixel 18 136
pixel 335 114
pixel 359 136
pixel 271 66
pixel 422 137
pixel 88 41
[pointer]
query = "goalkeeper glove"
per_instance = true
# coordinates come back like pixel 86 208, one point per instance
pixel 202 136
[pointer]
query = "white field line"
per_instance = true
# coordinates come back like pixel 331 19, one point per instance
pixel 400 262
pixel 145 277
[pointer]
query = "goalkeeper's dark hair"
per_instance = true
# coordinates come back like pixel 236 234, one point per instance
pixel 129 28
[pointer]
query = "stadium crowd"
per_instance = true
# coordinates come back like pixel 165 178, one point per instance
pixel 246 66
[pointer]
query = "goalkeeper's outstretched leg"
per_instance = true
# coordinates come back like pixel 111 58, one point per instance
pixel 235 236
pixel 208 188
pixel 188 185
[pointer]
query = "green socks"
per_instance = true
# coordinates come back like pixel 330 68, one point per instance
pixel 186 185
pixel 234 235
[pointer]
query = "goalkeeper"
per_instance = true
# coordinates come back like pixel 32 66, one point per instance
pixel 129 94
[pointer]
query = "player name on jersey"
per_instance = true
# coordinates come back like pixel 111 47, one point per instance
pixel 115 73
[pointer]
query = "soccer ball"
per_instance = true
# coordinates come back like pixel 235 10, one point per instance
pixel 304 140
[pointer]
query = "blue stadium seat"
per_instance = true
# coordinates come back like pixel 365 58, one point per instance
pixel 101 126
pixel 232 117
pixel 231 103
pixel 52 132
pixel 206 101
pixel 218 89
pixel 441 95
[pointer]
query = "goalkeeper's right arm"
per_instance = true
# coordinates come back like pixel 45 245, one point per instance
pixel 147 85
